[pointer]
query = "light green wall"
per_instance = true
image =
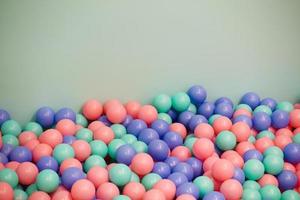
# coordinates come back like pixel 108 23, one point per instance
pixel 59 53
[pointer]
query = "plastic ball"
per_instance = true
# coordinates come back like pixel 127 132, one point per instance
pixel 125 154
pixel 136 126
pixel 185 117
pixel 85 134
pixel 185 169
pixel 97 175
pixel 195 120
pixel 19 194
pixel 203 148
pixel 134 191
pixel 241 130
pixel 147 135
pixel 261 121
pixel 271 103
pixel 27 173
pixel 224 109
pixel 268 179
pixel 51 137
pixel 167 187
pixel 251 99
pixel 180 101
pixel 158 149
pixel 59 195
pixel 206 109
pixel 162 169
pixel 173 139
pixel 197 94
pixel 70 162
pixel 39 195
pixel 291 153
pixel 234 158
pixel 113 147
pixel 214 196
pixel 188 188
pixel 243 118
pixel 104 119
pixel 252 154
pixel 107 191
pixel 251 194
pixel 20 154
pixel 239 175
pixel 129 139
pixel 224 100
pixel 287 180
pixel 196 166
pixel 81 120
pixel 273 164
pixel 270 192
pixel 132 108
pixel 116 113
pixel 45 116
pixel 221 124
pixel 81 149
pixel 147 113
pixel 104 134
pixel 10 139
pixel 226 140
pixel 253 169
pixel 47 162
pixel 204 184
pixel 93 126
pixel 172 161
pixel 26 136
pixel 296 138
pixel 263 108
pixel 150 180
pixel 290 195
pixel 31 189
pixel 83 190
pixel 62 152
pixel 250 184
pixel 120 174
pixel 70 176
pixel 92 161
pixel 47 180
pixel 280 119
pixel 4 116
pixel 119 130
pixel 285 105
pixel 92 109
pixel 162 103
pixel 154 194
pixel 204 130
pixel 9 176
pixel 263 143
pixel 65 113
pixel 222 170
pixel 231 189
pixel 66 127
pixel 11 127
pixel 3 158
pixel 295 118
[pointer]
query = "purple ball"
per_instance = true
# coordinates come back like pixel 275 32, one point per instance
pixel 65 113
pixel 185 117
pixel 243 118
pixel 280 119
pixel 224 109
pixel 104 120
pixel 239 175
pixel 186 169
pixel 173 139
pixel 292 153
pixel 261 121
pixel 178 178
pixel 125 154
pixel 197 94
pixel 161 126
pixel 214 196
pixel 206 109
pixel 271 103
pixel 195 120
pixel 70 176
pixel 3 158
pixel 252 154
pixel 4 116
pixel 224 100
pixel 162 169
pixel 127 120
pixel 20 154
pixel 172 161
pixel 45 117
pixel 158 150
pixel 69 139
pixel 188 188
pixel 251 99
pixel 6 149
pixel 47 162
pixel 147 135
pixel 136 126
pixel 173 114
pixel 196 165
pixel 287 180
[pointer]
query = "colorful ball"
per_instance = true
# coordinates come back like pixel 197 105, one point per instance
pixel 273 164
pixel 253 169
pixel 70 176
pixel 132 108
pixel 66 127
pixel 173 139
pixel 51 137
pixel 62 152
pixel 203 148
pixel 150 180
pixel 197 94
pixel 136 126
pixel 162 103
pixel 226 140
pixel 287 180
pixel 134 191
pixel 290 195
pixel 180 101
pixel 221 123
pixel 27 173
pixel 204 184
pixel 271 103
pixel 251 194
pixel 107 191
pixel 251 99
pixel 222 170
pixel 224 109
pixel 158 149
pixel 11 127
pixel 39 195
pixel 270 192
pixel 120 174
pixel 9 176
pixel 188 188
pixel 214 196
pixel 206 109
pixel 45 116
pixel 92 161
pixel 295 118
pixel 154 194
pixel 104 134
pixel 280 119
pixel 47 162
pixel 291 153
pixel 92 109
pixel 47 180
pixel 167 187
pixel 83 189
pixel 125 154
pixel 231 189
pixel 268 179
pixel 261 121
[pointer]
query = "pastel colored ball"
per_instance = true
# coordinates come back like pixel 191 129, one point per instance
pixel 221 123
pixel 97 175
pixel 20 194
pixel 113 147
pixel 232 189
pixel 9 176
pixel 154 194
pixel 107 191
pixel 116 113
pixel 158 150
pixel 273 164
pixel 172 161
pixel 224 109
pixel 222 170
pixel 271 103
pixel 180 101
pixel 173 139
pixel 27 173
pixel 251 194
pixel 270 192
pixel 66 127
pixel 295 118
pixel 197 94
pixel 195 120
pixel 45 116
pixel 70 176
pixel 226 140
pixel 134 190
pixel 47 180
pixel 204 130
pixel 136 126
pixel 261 121
pixel 120 174
pixel 150 180
pixel 287 180
pixel 51 137
pixel 34 127
pixel 280 119
pixel 125 154
pixel 214 196
pixel 47 162
pixel 185 169
pixel 203 148
pixel 234 158
pixel 253 169
pixel 285 105
pixel 167 187
pixel 26 136
pixel 104 134
pixel 93 160
pixel 263 143
pixel 204 184
pixel 20 154
pixel 290 195
pixel 119 130
pixel 4 116
pixel 161 127
pixel 62 152
pixel 81 120
pixel 239 175
pixel 241 130
pixel 83 190
pixel 65 113
pixel 132 108
pixel 251 99
pixel 162 103
pixel 252 154
pixel 206 109
pixel 185 117
pixel 147 135
pixel 196 166
pixel 291 153
pixel 84 134
pixel 70 162
pixel 263 108
pixel 178 178
pixel 11 127
pixel 188 188
pixel 268 179
pixel 39 195
pixel 92 109
pixel 162 169
pixel 81 149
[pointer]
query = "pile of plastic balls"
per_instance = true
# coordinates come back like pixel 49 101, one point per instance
pixel 180 147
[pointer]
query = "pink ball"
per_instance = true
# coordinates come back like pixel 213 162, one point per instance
pixel 241 130
pixel 6 191
pixel 62 195
pixel 27 173
pixel 289 166
pixel 26 136
pixel 31 144
pixel 178 128
pixel 116 113
pixel 209 162
pixel 109 166
pixel 51 137
pixel 13 165
pixel 232 189
pixel 222 170
pixel 167 187
pixel 222 123
pixel 92 109
pixel 204 130
pixel 70 162
pixel 107 191
pixel 203 148
pixel 39 195
pixel 132 108
pixel 282 140
pixel 111 103
pixel 242 147
pixel 186 197
pixel 181 152
pixel 97 175
pixel 66 127
pixel 95 125
pixel 142 164
pixel 83 190
pixel 295 118
pixel 263 143
pixel 268 179
pixel 284 131
pixel 41 150
pixel 147 113
pixel 104 134
pixel 154 194
pixel 234 158
pixel 82 150
pixel 134 190
pixel 242 111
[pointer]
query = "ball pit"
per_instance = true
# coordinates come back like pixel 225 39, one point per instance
pixel 180 147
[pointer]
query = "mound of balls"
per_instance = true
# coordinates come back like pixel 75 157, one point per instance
pixel 180 147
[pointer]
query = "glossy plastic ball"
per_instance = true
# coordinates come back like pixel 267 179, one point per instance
pixel 196 166
pixel 253 169
pixel 287 180
pixel 147 135
pixel 270 192
pixel 273 164
pixel 173 139
pixel 221 123
pixel 285 105
pixel 62 152
pixel 20 154
pixel 27 173
pixel 203 148
pixel 107 191
pixel 291 153
pixel 180 101
pixel 271 103
pixel 188 188
pixel 185 117
pixel 251 99
pixel 4 116
pixel 120 174
pixel 150 180
pixel 162 103
pixel 134 190
pixel 162 169
pixel 65 113
pixel 206 109
pixel 158 149
pixel 45 116
pixel 204 184
pixel 290 195
pixel 214 196
pixel 92 109
pixel 125 154
pixel 239 175
pixel 51 137
pixel 224 109
pixel 295 118
pixel 147 113
pixel 167 187
pixel 280 119
pixel 185 169
pixel 136 126
pixel 132 108
pixel 231 189
pixel 252 154
pixel 83 189
pixel 11 127
pixel 261 121
pixel 9 176
pixel 47 180
pixel 70 176
pixel 241 130
pixel 47 162
pixel 92 161
pixel 154 194
pixel 226 140
pixel 197 94
pixel 268 179
pixel 222 170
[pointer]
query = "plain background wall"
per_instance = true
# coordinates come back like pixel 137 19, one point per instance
pixel 60 53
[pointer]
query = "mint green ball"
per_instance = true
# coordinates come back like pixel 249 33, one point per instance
pixel 212 118
pixel 9 176
pixel 162 103
pixel 20 195
pixel 226 140
pixel 10 139
pixel 84 134
pixel 249 184
pixel 92 161
pixel 121 197
pixel 140 147
pixel 204 184
pixel 285 105
pixel 119 130
pixel 265 133
pixel 290 195
pixel 81 120
pixel 189 142
pixel 243 106
pixel 11 127
pixel 270 192
pixel 113 147
pixel 34 127
pixel 251 139
pixel 47 180
pixel 149 180
pixel 273 150
pixel 62 152
pixel 263 108
pixel 31 189
pixel 251 194
pixel 273 164
pixel 296 138
pixel 253 169
pixel 98 148
pixel 165 117
pixel 192 108
pixel 181 101
pixel 120 174
pixel 129 139
pixel 134 177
